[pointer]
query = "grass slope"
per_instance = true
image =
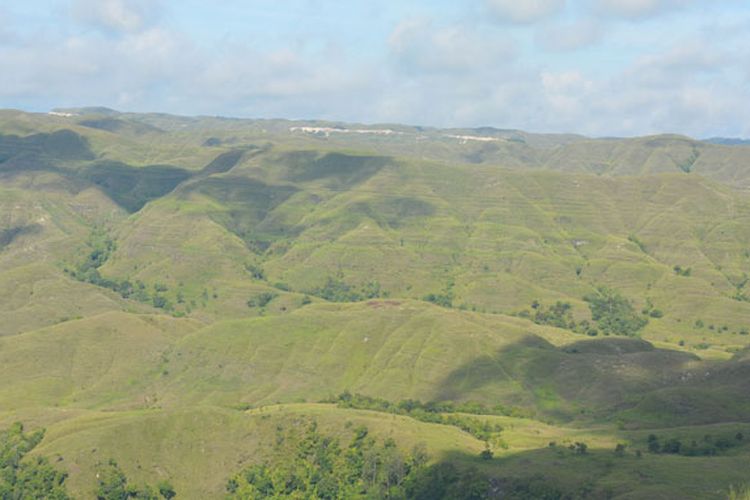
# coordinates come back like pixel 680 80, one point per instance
pixel 251 230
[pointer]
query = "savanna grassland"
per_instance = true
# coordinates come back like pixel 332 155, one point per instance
pixel 262 308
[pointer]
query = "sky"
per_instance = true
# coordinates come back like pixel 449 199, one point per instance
pixel 595 67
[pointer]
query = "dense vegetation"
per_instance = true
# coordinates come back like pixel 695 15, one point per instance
pixel 614 314
pixel 100 247
pixel 112 484
pixel 320 467
pixel 24 477
pixel 436 413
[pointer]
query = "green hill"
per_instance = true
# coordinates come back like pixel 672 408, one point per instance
pixel 174 289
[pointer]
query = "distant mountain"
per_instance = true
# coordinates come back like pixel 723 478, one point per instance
pixel 728 141
pixel 88 110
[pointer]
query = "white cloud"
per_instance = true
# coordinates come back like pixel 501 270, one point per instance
pixel 118 16
pixel 5 23
pixel 525 11
pixel 681 63
pixel 569 36
pixel 443 72
pixel 420 46
pixel 635 9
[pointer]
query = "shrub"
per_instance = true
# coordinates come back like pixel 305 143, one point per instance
pixel 614 313
pixel 682 271
pixel 443 300
pixel 255 271
pixel 261 300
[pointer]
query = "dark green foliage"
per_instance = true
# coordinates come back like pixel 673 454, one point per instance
pixel 31 478
pixel 443 299
pixel 255 271
pixel 620 449
pixel 440 299
pixel 166 490
pixel 161 302
pixel 682 271
pixel 653 443
pixel 262 299
pixel 336 290
pixel 671 446
pixel 101 247
pixel 580 448
pixel 438 413
pixel 558 314
pixel 112 484
pixel 614 313
pixel 707 447
pixel 633 239
pixel 321 468
pixel 687 165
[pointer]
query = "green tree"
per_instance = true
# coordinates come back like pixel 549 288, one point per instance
pixel 112 484
pixel 614 313
pixel 27 479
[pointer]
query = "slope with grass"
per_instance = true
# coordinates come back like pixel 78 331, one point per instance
pixel 166 281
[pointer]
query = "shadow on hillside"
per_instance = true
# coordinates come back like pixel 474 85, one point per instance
pixel 605 377
pixel 133 187
pixel 393 212
pixel 223 163
pixel 526 475
pixel 60 145
pixel 558 472
pixel 8 235
pixel 249 203
pixel 338 170
pixel 119 126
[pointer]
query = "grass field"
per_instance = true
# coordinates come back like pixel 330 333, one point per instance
pixel 173 289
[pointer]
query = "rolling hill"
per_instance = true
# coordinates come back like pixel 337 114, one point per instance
pixel 173 290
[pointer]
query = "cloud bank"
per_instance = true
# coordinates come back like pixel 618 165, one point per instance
pixel 610 67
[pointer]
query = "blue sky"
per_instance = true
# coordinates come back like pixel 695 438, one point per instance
pixel 597 67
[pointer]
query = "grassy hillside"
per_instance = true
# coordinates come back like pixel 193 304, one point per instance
pixel 173 290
